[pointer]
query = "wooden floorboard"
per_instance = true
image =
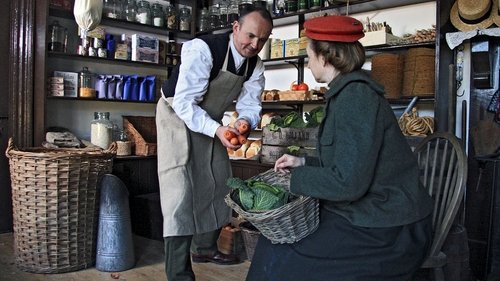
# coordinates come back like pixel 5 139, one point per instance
pixel 149 266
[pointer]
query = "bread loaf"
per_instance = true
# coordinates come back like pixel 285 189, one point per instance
pixel 240 152
pixel 233 119
pixel 266 119
pixel 254 149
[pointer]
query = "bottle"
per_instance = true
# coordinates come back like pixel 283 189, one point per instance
pixel 204 23
pixel 57 37
pixel 123 144
pixel 171 17
pixel 101 130
pixel 184 19
pixel 131 11
pixel 143 12
pixel 223 13
pixel 232 13
pixel 214 16
pixel 86 88
pixel 243 5
pixel 158 15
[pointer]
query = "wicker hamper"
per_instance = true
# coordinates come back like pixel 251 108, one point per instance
pixel 142 131
pixel 387 69
pixel 419 72
pixel 55 206
pixel 286 224
pixel 250 237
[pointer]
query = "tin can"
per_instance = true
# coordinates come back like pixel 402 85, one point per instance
pixel 82 50
pixel 92 52
pixel 98 43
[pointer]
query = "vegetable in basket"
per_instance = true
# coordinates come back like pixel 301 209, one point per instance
pixel 256 195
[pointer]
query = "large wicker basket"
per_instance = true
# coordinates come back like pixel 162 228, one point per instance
pixel 55 206
pixel 286 224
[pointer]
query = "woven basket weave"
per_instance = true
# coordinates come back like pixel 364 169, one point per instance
pixel 387 69
pixel 55 206
pixel 419 73
pixel 286 224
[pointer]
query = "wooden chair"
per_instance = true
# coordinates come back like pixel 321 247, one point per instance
pixel 443 166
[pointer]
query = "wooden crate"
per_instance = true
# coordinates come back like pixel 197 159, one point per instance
pixel 270 153
pixel 142 131
pixel 303 137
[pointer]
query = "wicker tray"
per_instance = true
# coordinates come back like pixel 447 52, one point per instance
pixel 286 224
pixel 142 131
pixel 55 206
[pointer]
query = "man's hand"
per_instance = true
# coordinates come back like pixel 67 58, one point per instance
pixel 220 134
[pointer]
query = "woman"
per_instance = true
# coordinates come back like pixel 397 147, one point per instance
pixel 375 214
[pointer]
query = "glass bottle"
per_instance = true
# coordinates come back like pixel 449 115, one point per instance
pixel 260 3
pixel 158 15
pixel 214 16
pixel 57 37
pixel 204 23
pixel 233 11
pixel 243 5
pixel 184 19
pixel 131 11
pixel 171 17
pixel 223 13
pixel 101 130
pixel 86 88
pixel 143 12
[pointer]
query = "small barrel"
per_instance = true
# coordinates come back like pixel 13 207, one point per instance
pixel 115 248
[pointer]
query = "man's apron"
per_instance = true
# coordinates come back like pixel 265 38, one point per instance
pixel 192 167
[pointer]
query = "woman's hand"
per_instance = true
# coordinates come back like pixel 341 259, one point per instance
pixel 288 161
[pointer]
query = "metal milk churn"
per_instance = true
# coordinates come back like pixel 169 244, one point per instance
pixel 115 248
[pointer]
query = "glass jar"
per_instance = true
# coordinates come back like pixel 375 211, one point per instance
pixel 223 13
pixel 232 12
pixel 291 6
pixel 171 17
pixel 260 3
pixel 58 37
pixel 243 5
pixel 214 16
pixel 130 11
pixel 101 130
pixel 158 15
pixel 184 19
pixel 123 144
pixel 86 88
pixel 143 12
pixel 204 23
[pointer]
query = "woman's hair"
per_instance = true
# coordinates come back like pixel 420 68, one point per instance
pixel 344 56
pixel 263 12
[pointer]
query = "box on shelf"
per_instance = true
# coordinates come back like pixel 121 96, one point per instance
pixel 276 48
pixel 70 82
pixel 292 47
pixel 142 131
pixel 98 32
pixel 147 42
pixel 145 55
pixel 302 46
pixel 379 37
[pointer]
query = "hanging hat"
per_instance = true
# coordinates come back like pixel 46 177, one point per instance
pixel 334 28
pixel 467 15
pixel 496 16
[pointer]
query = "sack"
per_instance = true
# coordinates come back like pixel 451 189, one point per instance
pixel 87 15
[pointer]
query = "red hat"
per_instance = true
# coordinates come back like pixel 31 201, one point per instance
pixel 334 28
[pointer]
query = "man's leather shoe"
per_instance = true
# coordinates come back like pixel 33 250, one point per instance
pixel 217 257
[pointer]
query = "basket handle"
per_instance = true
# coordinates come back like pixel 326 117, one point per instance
pixel 10 146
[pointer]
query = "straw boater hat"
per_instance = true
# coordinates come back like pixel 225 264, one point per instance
pixel 467 15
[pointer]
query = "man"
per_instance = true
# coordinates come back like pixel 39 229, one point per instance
pixel 193 164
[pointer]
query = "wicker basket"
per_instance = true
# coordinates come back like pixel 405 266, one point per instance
pixel 286 224
pixel 419 73
pixel 250 237
pixel 55 206
pixel 387 69
pixel 142 131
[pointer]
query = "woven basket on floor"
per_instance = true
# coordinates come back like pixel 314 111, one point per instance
pixel 250 237
pixel 286 224
pixel 55 206
pixel 419 73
